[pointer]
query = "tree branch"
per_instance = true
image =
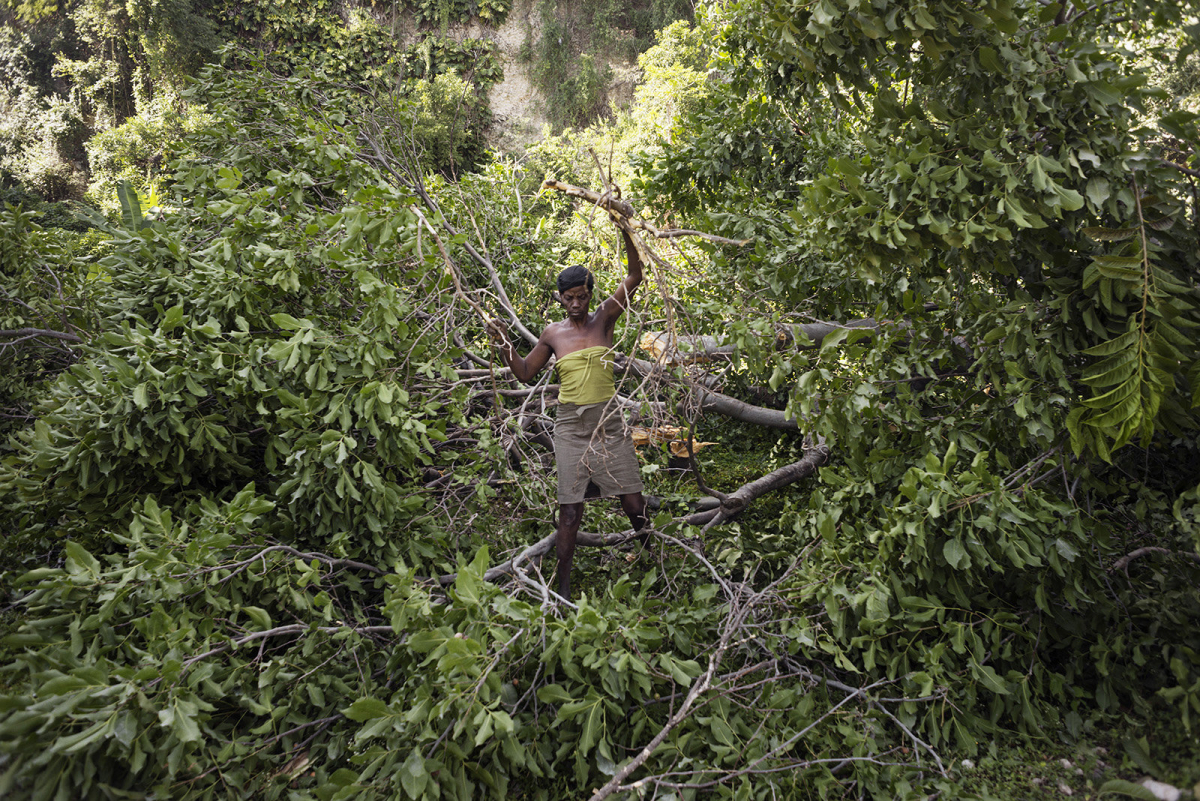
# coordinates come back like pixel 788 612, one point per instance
pixel 32 333
pixel 307 555
pixel 1123 562
pixel 624 209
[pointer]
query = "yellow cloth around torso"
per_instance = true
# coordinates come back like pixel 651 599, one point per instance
pixel 586 376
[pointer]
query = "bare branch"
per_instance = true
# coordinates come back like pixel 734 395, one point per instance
pixel 307 555
pixel 1123 562
pixel 33 333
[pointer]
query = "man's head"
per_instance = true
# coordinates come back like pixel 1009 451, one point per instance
pixel 575 286
pixel 576 276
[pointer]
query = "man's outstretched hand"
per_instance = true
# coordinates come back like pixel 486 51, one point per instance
pixel 497 332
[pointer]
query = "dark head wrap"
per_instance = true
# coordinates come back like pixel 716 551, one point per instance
pixel 576 276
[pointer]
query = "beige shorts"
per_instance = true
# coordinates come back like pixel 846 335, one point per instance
pixel 592 444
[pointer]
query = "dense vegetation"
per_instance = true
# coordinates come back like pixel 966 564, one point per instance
pixel 273 515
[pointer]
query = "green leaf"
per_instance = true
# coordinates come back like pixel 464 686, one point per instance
pixel 1098 191
pixel 1138 749
pixel 466 587
pixel 259 616
pixel 413 776
pixel 553 694
pixel 990 59
pixel 366 709
pixel 289 323
pixel 955 553
pixel 593 723
pixel 172 318
pixel 987 676
pixel 79 560
pixel 1113 370
pixel 681 670
pixel 131 207
pixel 484 732
pixel 1069 198
pixel 1123 268
pixel 183 721
pixel 1114 345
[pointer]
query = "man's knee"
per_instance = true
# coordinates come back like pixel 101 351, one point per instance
pixel 634 506
pixel 570 515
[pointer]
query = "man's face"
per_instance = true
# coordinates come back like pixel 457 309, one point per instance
pixel 576 300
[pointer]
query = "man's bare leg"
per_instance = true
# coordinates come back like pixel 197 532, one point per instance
pixel 634 506
pixel 570 515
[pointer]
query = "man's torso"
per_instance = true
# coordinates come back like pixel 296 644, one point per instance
pixel 564 338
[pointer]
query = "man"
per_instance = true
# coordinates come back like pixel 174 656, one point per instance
pixel 590 440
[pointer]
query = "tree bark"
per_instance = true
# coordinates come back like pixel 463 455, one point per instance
pixel 740 410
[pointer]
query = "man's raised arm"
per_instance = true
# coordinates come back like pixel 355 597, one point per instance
pixel 619 302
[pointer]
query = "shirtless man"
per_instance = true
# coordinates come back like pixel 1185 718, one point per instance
pixel 590 441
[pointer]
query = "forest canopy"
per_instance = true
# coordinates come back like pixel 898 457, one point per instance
pixel 922 277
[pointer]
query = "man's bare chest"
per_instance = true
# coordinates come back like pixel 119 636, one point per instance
pixel 567 339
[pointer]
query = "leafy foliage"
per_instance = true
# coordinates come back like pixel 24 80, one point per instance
pixel 570 56
pixel 41 142
pixel 241 497
pixel 235 474
pixel 443 12
pixel 302 35
pixel 953 201
pixel 45 313
pixel 136 150
pixel 1139 366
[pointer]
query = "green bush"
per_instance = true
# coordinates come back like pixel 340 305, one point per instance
pixel 136 150
pixel 41 144
pixel 569 59
pixel 44 288
pixel 443 120
pixel 573 85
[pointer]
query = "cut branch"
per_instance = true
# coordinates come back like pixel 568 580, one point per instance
pixel 731 506
pixel 306 555
pixel 788 474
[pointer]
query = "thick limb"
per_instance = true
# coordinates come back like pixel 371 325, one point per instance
pixel 570 515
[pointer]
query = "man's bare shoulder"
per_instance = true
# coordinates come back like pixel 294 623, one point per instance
pixel 554 332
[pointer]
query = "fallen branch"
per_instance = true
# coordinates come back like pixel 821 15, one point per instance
pixel 34 333
pixel 278 631
pixel 788 474
pixel 710 401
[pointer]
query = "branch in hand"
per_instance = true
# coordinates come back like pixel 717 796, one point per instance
pixel 622 212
